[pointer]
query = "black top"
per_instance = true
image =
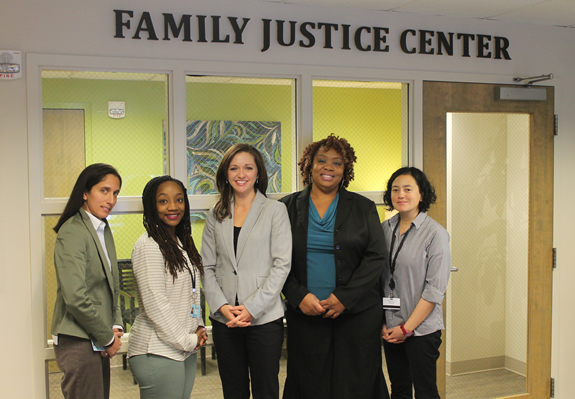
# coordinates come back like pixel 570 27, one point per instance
pixel 359 250
pixel 236 235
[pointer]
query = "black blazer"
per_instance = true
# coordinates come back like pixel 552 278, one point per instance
pixel 358 247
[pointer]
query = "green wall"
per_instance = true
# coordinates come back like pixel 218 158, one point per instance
pixel 246 102
pixel 371 121
pixel 133 144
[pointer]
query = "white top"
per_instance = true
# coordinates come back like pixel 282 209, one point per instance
pixel 164 326
pixel 99 226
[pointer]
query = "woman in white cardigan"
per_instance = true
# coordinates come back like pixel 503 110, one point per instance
pixel 167 266
pixel 246 250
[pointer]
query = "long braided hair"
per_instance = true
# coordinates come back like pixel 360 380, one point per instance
pixel 174 258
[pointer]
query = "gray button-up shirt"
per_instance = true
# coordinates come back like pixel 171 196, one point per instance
pixel 422 270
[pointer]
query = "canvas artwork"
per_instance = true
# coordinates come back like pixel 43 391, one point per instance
pixel 207 141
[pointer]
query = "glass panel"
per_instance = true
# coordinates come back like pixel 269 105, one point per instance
pixel 373 117
pixel 126 229
pixel 223 111
pixel 383 213
pixel 488 203
pixel 51 281
pixel 77 112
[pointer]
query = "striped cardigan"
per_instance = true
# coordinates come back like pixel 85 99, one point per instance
pixel 164 326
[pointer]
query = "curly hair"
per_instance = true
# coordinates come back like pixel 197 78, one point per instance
pixel 222 208
pixel 332 141
pixel 175 261
pixel 426 190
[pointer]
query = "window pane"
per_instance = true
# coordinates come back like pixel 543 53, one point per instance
pixel 373 117
pixel 51 281
pixel 488 167
pixel 84 124
pixel 223 111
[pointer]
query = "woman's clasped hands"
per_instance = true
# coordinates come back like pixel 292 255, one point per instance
pixel 238 316
pixel 202 333
pixel 393 335
pixel 329 308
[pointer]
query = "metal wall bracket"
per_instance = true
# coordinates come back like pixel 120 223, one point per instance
pixel 534 79
pixel 554 258
pixel 556 125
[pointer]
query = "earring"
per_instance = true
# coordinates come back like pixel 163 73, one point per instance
pixel 257 180
pixel 227 182
pixel 342 181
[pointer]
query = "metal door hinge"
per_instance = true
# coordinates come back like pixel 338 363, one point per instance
pixel 554 258
pixel 552 387
pixel 556 125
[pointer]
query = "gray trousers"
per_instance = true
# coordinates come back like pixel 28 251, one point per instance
pixel 86 373
pixel 163 378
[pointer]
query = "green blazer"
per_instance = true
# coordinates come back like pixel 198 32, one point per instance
pixel 87 297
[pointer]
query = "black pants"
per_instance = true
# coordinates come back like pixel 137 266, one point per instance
pixel 332 359
pixel 414 363
pixel 249 351
pixel 86 373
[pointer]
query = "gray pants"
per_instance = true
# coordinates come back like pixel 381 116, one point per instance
pixel 86 373
pixel 163 378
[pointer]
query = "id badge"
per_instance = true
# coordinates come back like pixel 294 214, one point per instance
pixel 97 348
pixel 391 303
pixel 195 311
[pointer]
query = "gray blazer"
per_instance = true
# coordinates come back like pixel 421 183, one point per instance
pixel 87 298
pixel 259 270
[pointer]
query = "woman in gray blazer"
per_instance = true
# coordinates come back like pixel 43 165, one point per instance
pixel 246 251
pixel 87 322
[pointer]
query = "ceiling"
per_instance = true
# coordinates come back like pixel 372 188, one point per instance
pixel 541 12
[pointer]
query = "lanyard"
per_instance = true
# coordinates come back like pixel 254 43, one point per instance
pixel 392 259
pixel 193 275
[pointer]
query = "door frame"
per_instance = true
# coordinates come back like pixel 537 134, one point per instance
pixel 439 98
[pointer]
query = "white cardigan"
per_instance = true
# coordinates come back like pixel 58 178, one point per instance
pixel 164 326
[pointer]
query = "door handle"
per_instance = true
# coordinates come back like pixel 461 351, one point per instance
pixel 454 269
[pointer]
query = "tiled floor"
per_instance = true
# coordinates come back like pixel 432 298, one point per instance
pixel 484 385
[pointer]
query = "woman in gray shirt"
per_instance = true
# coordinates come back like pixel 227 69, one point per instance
pixel 414 281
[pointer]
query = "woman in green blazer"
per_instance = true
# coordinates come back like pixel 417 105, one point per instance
pixel 87 322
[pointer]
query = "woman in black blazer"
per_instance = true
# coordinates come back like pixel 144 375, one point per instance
pixel 333 292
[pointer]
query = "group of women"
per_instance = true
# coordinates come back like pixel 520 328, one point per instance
pixel 348 282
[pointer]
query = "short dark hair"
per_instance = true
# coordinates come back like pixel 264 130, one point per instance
pixel 426 190
pixel 89 177
pixel 222 208
pixel 342 147
pixel 174 260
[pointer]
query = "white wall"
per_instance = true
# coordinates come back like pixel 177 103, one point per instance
pixel 81 27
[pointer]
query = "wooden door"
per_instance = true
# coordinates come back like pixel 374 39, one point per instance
pixel 441 99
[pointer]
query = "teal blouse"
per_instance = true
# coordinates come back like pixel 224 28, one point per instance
pixel 320 256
